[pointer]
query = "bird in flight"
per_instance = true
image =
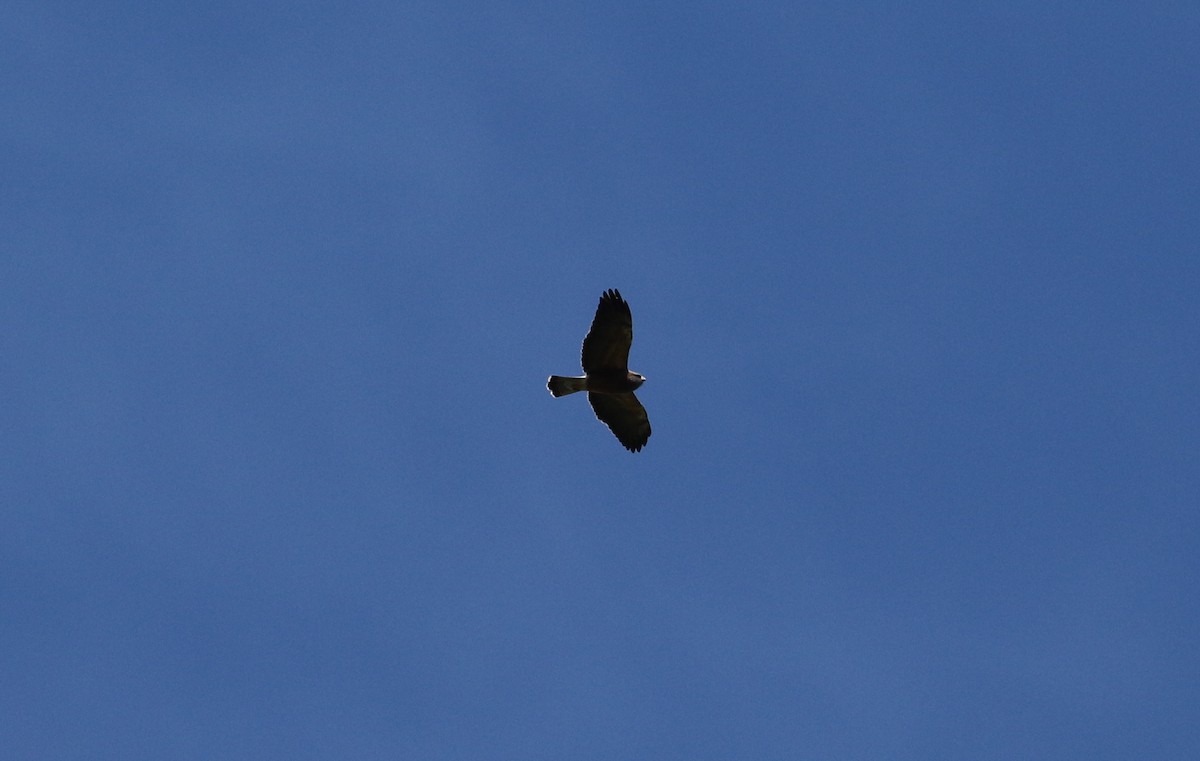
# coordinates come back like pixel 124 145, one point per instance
pixel 606 377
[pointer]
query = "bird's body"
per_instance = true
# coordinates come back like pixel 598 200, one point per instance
pixel 599 383
pixel 607 378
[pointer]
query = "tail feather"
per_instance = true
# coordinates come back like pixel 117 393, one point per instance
pixel 560 386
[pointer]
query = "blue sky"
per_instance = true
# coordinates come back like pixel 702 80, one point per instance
pixel 914 288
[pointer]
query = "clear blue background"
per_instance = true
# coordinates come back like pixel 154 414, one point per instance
pixel 915 287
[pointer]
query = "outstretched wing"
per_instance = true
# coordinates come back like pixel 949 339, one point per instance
pixel 625 417
pixel 606 347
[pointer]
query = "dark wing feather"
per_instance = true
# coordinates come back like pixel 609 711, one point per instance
pixel 625 417
pixel 606 346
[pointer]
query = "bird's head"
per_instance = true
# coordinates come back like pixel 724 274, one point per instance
pixel 636 379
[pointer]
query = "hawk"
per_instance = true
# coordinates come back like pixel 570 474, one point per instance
pixel 607 378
